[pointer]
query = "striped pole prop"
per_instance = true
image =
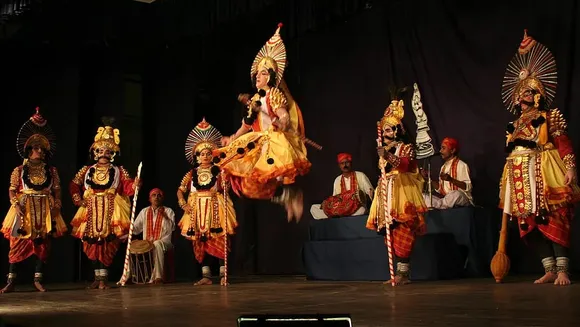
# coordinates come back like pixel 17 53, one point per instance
pixel 386 211
pixel 126 269
pixel 224 186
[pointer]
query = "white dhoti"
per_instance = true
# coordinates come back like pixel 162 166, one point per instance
pixel 159 259
pixel 317 212
pixel 452 199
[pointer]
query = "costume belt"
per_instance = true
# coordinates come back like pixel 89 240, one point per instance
pixel 36 193
pixel 206 193
pixel 106 192
pixel 521 151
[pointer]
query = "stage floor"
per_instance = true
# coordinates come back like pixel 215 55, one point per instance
pixel 468 302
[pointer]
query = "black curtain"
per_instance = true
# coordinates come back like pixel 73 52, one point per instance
pixel 343 56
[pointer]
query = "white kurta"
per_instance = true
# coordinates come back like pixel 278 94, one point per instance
pixel 364 184
pixel 453 198
pixel 163 244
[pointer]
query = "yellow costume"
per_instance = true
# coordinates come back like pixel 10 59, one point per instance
pixel 102 191
pixel 398 199
pixel 209 216
pixel 35 191
pixel 273 153
pixel 533 187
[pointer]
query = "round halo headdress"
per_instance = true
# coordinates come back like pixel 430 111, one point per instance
pixel 203 136
pixel 36 131
pixel 532 67
pixel 272 55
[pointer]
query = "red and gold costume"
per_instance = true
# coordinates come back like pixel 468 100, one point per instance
pixel 400 192
pixel 267 151
pixel 534 188
pixel 102 191
pixel 35 190
pixel 209 216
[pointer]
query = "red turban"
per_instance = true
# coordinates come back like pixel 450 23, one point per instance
pixel 344 156
pixel 158 190
pixel 451 143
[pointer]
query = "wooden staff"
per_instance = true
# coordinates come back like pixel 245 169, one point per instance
pixel 500 264
pixel 126 269
pixel 386 211
pixel 224 186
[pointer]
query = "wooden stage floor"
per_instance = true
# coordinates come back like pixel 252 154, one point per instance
pixel 468 302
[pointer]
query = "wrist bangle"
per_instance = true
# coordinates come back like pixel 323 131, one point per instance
pixel 14 200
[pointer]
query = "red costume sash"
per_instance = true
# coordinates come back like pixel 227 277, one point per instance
pixel 453 174
pixel 345 203
pixel 154 231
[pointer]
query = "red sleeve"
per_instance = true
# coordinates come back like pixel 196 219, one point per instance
pixel 404 164
pixel 126 183
pixel 74 189
pixel 407 160
pixel 564 145
pixel 76 186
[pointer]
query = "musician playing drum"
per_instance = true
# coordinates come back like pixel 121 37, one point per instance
pixel 349 193
pixel 157 223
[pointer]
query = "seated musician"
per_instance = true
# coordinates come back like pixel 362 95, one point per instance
pixel 453 189
pixel 349 196
pixel 157 223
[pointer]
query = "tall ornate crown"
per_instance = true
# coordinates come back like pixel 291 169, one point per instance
pixel 272 55
pixel 393 114
pixel 532 68
pixel 107 137
pixel 203 136
pixel 35 131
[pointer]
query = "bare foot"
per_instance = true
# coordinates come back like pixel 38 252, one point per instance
pixel 289 212
pixel 8 288
pixel 103 285
pixel 298 205
pixel 39 287
pixel 203 281
pixel 549 277
pixel 562 279
pixel 223 282
pixel 399 280
pixel 94 285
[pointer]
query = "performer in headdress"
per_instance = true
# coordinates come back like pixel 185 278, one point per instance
pixel 209 217
pixel 400 191
pixel 34 217
pixel 102 191
pixel 267 152
pixel 538 186
pixel 349 193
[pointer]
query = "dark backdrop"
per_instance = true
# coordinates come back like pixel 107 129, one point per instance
pixel 161 68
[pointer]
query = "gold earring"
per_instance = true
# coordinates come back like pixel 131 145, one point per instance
pixel 537 100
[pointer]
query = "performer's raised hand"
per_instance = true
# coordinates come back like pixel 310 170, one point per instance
pixel 136 183
pixel 570 176
pixel 225 140
pixel 381 151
